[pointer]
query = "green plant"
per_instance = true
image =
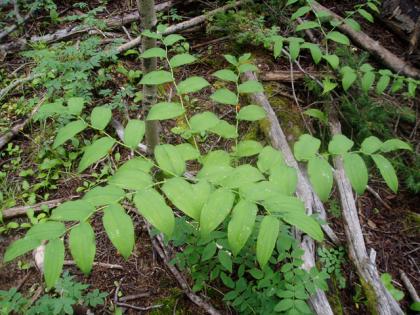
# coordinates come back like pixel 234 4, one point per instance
pixel 331 260
pixel 67 294
pixel 386 280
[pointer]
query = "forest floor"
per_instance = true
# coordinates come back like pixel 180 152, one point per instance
pixel 392 231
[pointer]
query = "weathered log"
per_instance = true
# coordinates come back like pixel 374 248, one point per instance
pixel 388 58
pixel 304 191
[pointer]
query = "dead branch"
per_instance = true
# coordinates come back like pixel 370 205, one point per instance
pixel 374 47
pixel 134 296
pixel 9 135
pixel 98 264
pixel 20 21
pixel 183 25
pixel 286 76
pixel 409 286
pixel 139 308
pixel 19 211
pixel 15 83
pixel 304 191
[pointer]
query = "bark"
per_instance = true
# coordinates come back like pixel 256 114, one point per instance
pixel 375 48
pixel 148 22
pixel 304 191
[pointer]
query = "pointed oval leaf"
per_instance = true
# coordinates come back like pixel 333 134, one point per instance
pixel 46 231
pixel 172 39
pixel 251 113
pixel 371 145
pixel 243 174
pixel 102 196
pixel 75 105
pixel 155 52
pixel 134 133
pixel 250 86
pixel 356 171
pixel 20 247
pixel 245 67
pixel 284 204
pixel 181 59
pixel 76 210
pixel 169 159
pixel 226 75
pixel 153 207
pixel 203 121
pixel 156 77
pixel 215 210
pixel 119 228
pixel 266 240
pixel 248 148
pixel 338 37
pixel 128 178
pixel 95 151
pixel 165 110
pixel 68 132
pixel 321 177
pixel 340 144
pixel 269 158
pixel 395 144
pixel 333 60
pixel 192 85
pixel 187 151
pixel 387 171
pixel 284 178
pixel 304 223
pixel 82 246
pixel 225 260
pixel 241 224
pixel 53 261
pixel 367 81
pixel 306 147
pixel 382 84
pixel 100 117
pixel 224 96
pixel 224 129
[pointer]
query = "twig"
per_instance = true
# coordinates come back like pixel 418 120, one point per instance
pixel 139 308
pixel 20 21
pixel 134 297
pixel 15 83
pixel 22 282
pixel 213 41
pixel 409 286
pixel 97 264
pixel 376 195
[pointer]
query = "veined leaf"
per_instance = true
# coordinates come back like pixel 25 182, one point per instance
pixel 284 204
pixel 76 210
pixel 224 96
pixel 387 171
pixel 365 14
pixel 203 121
pixel 172 39
pixel 338 37
pixel 119 228
pixel 226 75
pixel 367 80
pixel 332 60
pixel 321 177
pixel 192 85
pixel 231 59
pixel 68 132
pixel 165 110
pixel 156 77
pixel 225 260
pixel 248 148
pixel 53 261
pixel 266 240
pixel 245 67
pixel 82 246
pixel 224 129
pixel 269 158
pixel 316 113
pixel 75 105
pixel 134 133
pixel 353 24
pixel 284 178
pixel 382 84
pixel 241 175
pixel 304 223
pixel 395 144
pixel 371 145
pixel 20 247
pixel 155 52
pixel 215 173
pixel 356 171
pixel 104 195
pixel 257 192
pixel 46 231
pixel 300 12
pixel 306 147
pixel 306 25
pixel 154 209
pixel 216 158
pixel 187 151
pixel 241 224
pixel 128 178
pixel 100 117
pixel 349 76
pixel 95 151
pixel 294 49
pixel 250 86
pixel 215 210
pixel 316 52
pixel 169 159
pixel 340 144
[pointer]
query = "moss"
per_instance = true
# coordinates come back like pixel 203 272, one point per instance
pixel 370 297
pixel 334 297
pixel 413 219
pixel 169 303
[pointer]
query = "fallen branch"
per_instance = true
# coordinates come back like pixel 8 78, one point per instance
pixel 409 286
pixel 183 25
pixel 286 76
pixel 97 264
pixel 9 135
pixel 19 211
pixel 374 47
pixel 19 22
pixel 304 191
pixel 16 83
pixel 139 308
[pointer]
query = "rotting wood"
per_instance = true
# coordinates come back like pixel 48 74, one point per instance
pixel 318 301
pixel 374 47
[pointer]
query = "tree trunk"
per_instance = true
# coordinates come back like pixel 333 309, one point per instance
pixel 148 22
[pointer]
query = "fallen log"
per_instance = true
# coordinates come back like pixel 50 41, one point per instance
pixel 71 31
pixel 14 27
pixel 319 301
pixel 375 48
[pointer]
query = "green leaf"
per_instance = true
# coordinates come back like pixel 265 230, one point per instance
pixel 77 210
pixel 338 37
pixel 150 34
pixel 349 76
pixel 284 178
pixel 156 77
pixel 53 261
pixel 316 113
pixel 102 196
pixel 225 260
pixel 215 173
pixel 134 133
pixel 332 60
pixel 353 24
pixel 328 86
pixel 187 151
pixel 306 25
pixel 20 247
pixel 300 12
pixel 284 204
pixel 415 306
pixel 128 178
pixel 294 49
pixel 284 305
pixel 247 67
pixel 250 86
pixel 100 117
pixel 46 231
pixel 340 144
pixel 241 224
pixel 241 175
pixel 321 177
pixel 68 132
pixel 371 145
pixel 258 192
pixel 365 14
pixel 216 158
pixel 367 81
pixel 395 144
pixel 224 96
pixel 169 159
pixel 172 39
pixel 266 240
pixel 224 129
pixel 269 158
pixel 120 229
pixel 215 210
pixel 278 46
pixel 226 75
pixel 192 85
pixel 154 52
pixel 181 59
pixel 165 110
pixel 154 209
pixel 189 198
pixel 302 307
pixel 356 171
pixel 304 223
pixel 248 148
pixel 95 151
pixel 203 121
pixel 75 105
pixel 82 246
pixel 306 147
pixel 209 251
pixel 387 171
pixel 231 59
pixel 316 52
